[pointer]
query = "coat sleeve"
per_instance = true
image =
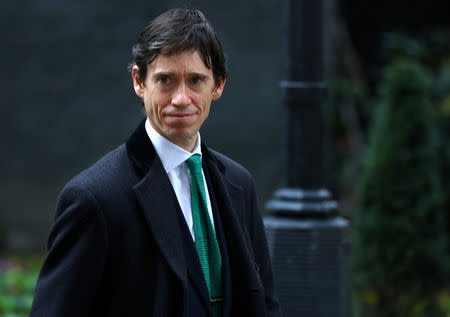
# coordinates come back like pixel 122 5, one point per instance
pixel 261 253
pixel 77 247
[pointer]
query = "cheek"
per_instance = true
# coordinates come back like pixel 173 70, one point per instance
pixel 155 112
pixel 204 113
pixel 203 101
pixel 153 104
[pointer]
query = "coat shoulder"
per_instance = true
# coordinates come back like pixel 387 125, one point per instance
pixel 109 174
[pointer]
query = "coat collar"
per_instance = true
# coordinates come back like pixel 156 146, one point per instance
pixel 140 150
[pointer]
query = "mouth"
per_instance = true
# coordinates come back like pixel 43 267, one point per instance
pixel 180 117
pixel 180 114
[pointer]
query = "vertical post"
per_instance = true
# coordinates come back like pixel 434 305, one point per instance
pixel 308 241
pixel 304 93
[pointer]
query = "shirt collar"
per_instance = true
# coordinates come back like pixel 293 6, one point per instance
pixel 171 155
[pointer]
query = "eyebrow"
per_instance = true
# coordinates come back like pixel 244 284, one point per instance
pixel 199 75
pixel 169 74
pixel 160 74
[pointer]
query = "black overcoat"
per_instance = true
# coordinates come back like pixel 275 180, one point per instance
pixel 115 247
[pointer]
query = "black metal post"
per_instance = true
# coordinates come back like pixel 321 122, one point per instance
pixel 304 94
pixel 308 241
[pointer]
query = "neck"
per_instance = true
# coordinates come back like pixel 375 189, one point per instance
pixel 187 144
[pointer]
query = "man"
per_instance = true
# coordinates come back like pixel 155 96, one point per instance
pixel 163 225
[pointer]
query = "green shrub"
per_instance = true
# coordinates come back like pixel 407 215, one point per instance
pixel 442 99
pixel 17 282
pixel 400 255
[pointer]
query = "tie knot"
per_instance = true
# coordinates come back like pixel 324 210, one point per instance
pixel 194 163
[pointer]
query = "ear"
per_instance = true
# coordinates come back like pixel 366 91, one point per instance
pixel 138 83
pixel 219 89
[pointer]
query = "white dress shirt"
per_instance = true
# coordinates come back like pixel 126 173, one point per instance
pixel 173 159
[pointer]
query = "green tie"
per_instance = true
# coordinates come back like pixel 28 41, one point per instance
pixel 205 237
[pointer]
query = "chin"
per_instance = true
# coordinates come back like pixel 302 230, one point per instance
pixel 181 133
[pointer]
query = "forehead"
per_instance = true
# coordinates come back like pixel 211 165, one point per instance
pixel 182 62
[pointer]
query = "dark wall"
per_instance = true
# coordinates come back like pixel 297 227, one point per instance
pixel 67 99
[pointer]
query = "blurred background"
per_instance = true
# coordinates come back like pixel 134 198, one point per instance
pixel 66 99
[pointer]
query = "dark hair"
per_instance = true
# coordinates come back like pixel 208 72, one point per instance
pixel 175 31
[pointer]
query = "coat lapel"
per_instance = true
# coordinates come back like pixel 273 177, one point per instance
pixel 155 195
pixel 156 198
pixel 248 291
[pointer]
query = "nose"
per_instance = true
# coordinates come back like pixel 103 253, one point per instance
pixel 180 97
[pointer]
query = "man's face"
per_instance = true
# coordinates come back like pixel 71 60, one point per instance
pixel 177 94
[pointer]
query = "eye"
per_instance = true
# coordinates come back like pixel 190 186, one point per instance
pixel 164 79
pixel 196 80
